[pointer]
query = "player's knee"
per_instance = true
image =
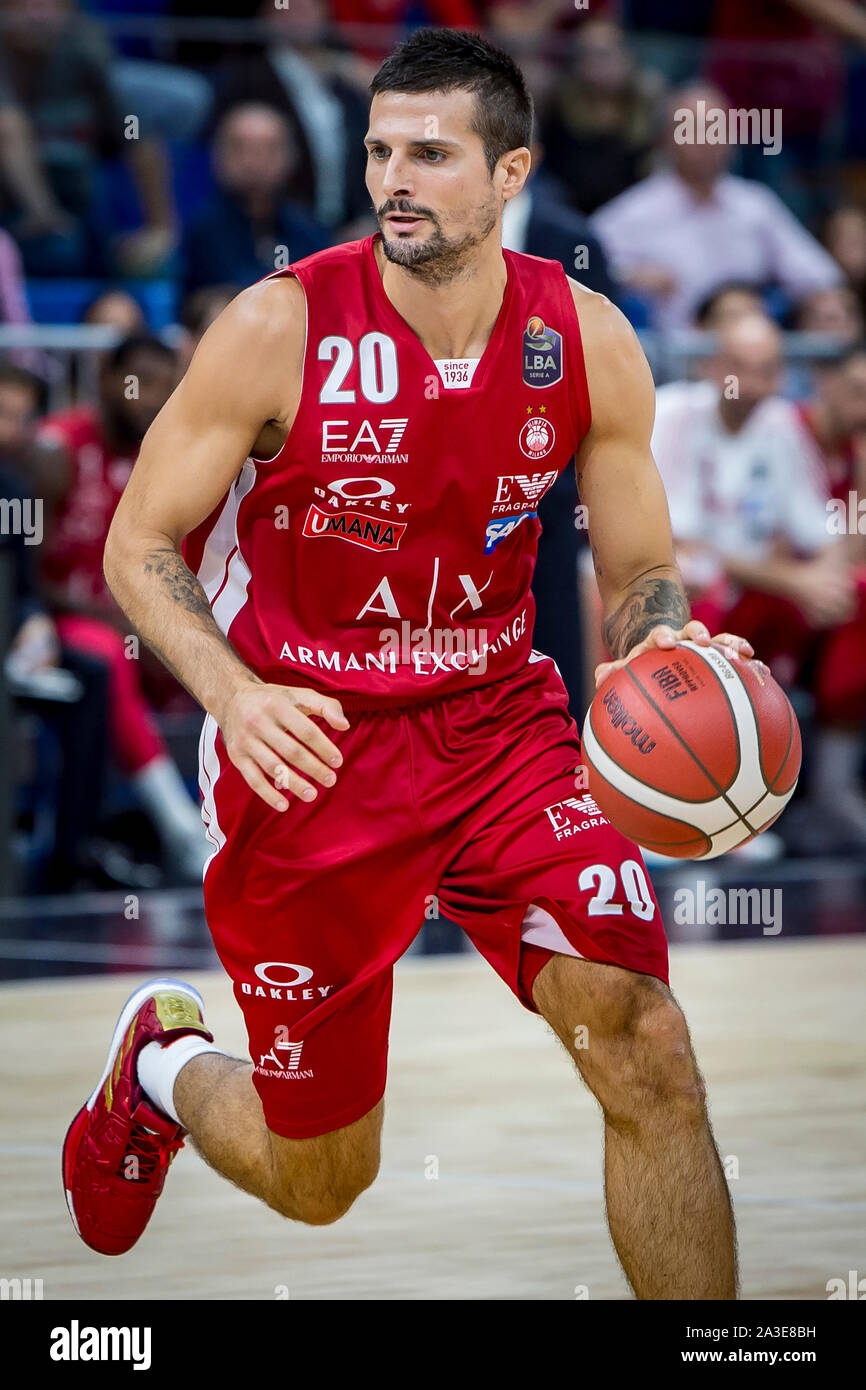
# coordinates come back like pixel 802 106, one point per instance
pixel 324 1199
pixel 665 1058
pixel 648 1064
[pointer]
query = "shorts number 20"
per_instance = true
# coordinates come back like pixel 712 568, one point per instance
pixel 602 877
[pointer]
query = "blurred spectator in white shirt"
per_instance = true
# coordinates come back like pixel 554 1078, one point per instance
pixel 692 225
pixel 748 497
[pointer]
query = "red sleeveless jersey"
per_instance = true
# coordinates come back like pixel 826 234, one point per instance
pixel 386 552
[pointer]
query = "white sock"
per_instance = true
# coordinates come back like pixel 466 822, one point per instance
pixel 160 1064
pixel 164 796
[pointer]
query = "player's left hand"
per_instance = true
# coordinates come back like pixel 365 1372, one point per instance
pixel 665 638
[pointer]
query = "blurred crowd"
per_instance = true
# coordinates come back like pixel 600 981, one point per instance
pixel 150 171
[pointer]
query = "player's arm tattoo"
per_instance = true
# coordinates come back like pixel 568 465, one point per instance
pixel 170 568
pixel 183 587
pixel 654 600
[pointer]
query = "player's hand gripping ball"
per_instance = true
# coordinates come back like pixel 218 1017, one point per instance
pixel 690 750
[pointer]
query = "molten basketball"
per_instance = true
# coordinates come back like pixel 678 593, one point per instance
pixel 690 753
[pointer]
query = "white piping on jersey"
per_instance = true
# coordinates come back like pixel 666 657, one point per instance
pixel 208 773
pixel 432 592
pixel 224 573
pixel 542 656
pixel 273 275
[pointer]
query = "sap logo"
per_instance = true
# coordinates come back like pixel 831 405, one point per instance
pixel 367 531
pixel 498 527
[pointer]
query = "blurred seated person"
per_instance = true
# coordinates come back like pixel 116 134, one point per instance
pixel 116 308
pixel 726 303
pixel 600 116
pixel 748 501
pixel 249 227
pixel 14 308
pixel 197 313
pixel 537 223
pixel 532 34
pixel 833 313
pixel 722 307
pixel 360 18
pixel 85 458
pixel 59 118
pixel 834 418
pixel 786 55
pixel 692 225
pixel 300 72
pixel 78 713
pixel 844 236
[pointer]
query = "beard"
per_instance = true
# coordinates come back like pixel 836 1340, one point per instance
pixel 437 259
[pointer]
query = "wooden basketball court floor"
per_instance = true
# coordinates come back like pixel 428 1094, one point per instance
pixel 481 1090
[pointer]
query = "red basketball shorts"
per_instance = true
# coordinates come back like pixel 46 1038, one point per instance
pixel 471 805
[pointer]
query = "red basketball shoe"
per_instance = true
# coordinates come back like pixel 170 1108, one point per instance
pixel 118 1147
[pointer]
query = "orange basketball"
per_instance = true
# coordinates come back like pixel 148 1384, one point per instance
pixel 535 327
pixel 690 753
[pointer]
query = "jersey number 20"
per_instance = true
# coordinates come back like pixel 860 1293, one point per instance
pixel 377 359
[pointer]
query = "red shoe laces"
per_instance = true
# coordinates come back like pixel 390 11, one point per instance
pixel 150 1152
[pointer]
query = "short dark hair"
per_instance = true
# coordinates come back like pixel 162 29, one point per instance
pixel 447 60
pixel 128 348
pixel 709 301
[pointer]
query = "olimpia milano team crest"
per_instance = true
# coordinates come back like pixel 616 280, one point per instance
pixel 542 354
pixel 537 437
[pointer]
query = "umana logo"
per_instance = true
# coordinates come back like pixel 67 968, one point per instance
pixel 370 532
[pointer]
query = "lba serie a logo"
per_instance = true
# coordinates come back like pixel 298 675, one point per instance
pixel 542 354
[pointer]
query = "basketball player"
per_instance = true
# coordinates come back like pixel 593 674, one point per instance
pixel 353 463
